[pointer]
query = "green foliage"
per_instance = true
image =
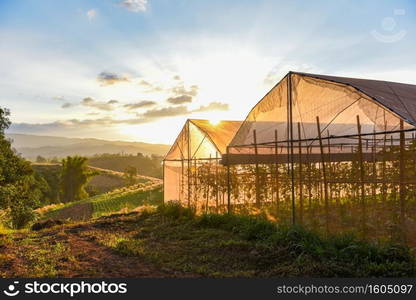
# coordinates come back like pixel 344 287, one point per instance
pixel 20 190
pixel 41 159
pixel 130 172
pixel 4 120
pixel 124 200
pixel 74 177
pixel 175 210
pixel 51 175
pixel 338 255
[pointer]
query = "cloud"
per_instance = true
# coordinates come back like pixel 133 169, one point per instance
pixel 66 105
pixel 213 106
pixel 91 14
pixel 134 5
pixel 140 104
pixel 108 78
pixel 181 90
pixel 108 106
pixel 150 88
pixel 59 98
pixel 107 122
pixel 169 111
pixel 172 111
pixel 180 99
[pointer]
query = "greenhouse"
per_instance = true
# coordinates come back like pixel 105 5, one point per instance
pixel 193 174
pixel 331 153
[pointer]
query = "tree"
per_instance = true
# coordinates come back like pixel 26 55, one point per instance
pixel 74 177
pixel 41 159
pixel 19 189
pixel 4 120
pixel 131 172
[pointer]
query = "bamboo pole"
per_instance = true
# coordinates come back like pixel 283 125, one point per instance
pixel 196 184
pixel 402 187
pixel 292 171
pixel 374 185
pixel 276 172
pixel 216 181
pixel 362 187
pixel 300 177
pixel 257 169
pixel 383 168
pixel 330 171
pixel 309 178
pixel 228 185
pixel 189 166
pixel 207 178
pixel 324 175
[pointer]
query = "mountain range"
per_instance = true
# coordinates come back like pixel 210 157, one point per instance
pixel 30 146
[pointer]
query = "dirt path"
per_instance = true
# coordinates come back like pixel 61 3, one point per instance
pixel 74 250
pixel 93 259
pixel 76 212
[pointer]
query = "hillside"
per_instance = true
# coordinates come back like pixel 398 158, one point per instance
pixel 123 199
pixel 30 146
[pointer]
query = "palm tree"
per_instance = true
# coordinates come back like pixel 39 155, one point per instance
pixel 74 177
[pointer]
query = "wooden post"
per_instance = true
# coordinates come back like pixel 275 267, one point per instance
pixel 324 176
pixel 383 168
pixel 309 178
pixel 189 166
pixel 216 182
pixel 196 195
pixel 300 176
pixel 228 184
pixel 257 169
pixel 207 182
pixel 362 187
pixel 402 187
pixel 374 185
pixel 330 173
pixel 276 172
pixel 182 187
pixel 292 170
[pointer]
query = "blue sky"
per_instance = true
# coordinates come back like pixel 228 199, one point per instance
pixel 135 69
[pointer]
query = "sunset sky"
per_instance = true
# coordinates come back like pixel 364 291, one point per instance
pixel 136 70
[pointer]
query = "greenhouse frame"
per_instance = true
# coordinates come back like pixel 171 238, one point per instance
pixel 334 154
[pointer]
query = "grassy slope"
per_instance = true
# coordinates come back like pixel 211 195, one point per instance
pixel 171 241
pixel 124 199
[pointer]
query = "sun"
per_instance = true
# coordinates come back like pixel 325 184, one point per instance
pixel 214 121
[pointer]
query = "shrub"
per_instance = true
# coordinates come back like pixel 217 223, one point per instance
pixel 175 210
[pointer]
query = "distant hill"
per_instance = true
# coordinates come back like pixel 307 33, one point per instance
pixel 30 146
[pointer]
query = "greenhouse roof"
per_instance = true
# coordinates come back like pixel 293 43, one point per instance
pixel 202 139
pixel 400 98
